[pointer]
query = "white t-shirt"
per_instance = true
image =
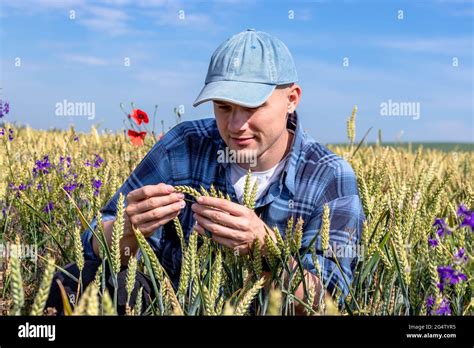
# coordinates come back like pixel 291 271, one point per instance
pixel 265 178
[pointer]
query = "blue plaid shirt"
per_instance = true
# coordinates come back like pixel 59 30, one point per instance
pixel 187 155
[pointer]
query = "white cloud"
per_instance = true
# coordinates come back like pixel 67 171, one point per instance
pixel 169 78
pixel 84 59
pixel 439 45
pixel 109 20
pixel 31 7
pixel 193 20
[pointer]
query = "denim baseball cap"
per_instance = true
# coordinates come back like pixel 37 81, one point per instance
pixel 246 68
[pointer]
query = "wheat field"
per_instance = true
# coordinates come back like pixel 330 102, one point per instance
pixel 417 241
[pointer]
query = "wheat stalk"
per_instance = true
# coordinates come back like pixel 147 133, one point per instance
pixel 131 276
pixel 242 307
pixel 78 250
pixel 43 291
pixel 117 234
pixel 325 226
pixel 17 290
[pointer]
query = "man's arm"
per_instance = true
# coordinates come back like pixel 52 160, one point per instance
pixel 337 264
pixel 148 208
pixel 141 192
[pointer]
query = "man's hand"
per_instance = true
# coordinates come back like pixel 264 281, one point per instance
pixel 152 206
pixel 231 224
pixel 148 208
pixel 237 227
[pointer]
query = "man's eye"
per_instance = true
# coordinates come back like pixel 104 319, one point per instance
pixel 224 108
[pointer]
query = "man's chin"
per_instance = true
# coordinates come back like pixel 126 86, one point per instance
pixel 239 154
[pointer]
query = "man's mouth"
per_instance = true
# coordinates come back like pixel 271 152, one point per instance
pixel 242 140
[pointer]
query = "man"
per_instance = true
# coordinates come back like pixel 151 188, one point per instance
pixel 251 81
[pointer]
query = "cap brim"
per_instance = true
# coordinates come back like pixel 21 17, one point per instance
pixel 246 94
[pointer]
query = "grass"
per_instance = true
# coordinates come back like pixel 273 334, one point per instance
pixel 403 190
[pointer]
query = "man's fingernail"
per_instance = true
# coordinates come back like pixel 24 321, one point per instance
pixel 170 188
pixel 183 204
pixel 200 199
pixel 180 195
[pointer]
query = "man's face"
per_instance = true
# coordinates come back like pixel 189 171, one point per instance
pixel 256 130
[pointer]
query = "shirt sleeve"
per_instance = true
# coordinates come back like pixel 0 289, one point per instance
pixel 155 168
pixel 346 219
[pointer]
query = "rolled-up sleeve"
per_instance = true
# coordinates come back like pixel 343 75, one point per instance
pixel 155 168
pixel 346 220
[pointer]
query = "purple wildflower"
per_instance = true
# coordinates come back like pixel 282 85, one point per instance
pixel 462 210
pixel 21 187
pixel 2 131
pixel 447 274
pixel 6 108
pixel 442 227
pixel 444 307
pixel 96 184
pixel 98 161
pixel 10 134
pixel 429 304
pixel 69 188
pixel 432 242
pixel 469 221
pixel 42 166
pixel 61 161
pixel 76 138
pixel 460 256
pixel 49 207
pixel 468 216
pixel 39 186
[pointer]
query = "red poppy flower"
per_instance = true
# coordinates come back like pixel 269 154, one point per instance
pixel 140 116
pixel 137 138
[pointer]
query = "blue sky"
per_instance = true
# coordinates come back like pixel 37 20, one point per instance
pixel 407 60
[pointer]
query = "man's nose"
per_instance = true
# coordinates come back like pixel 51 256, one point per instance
pixel 238 120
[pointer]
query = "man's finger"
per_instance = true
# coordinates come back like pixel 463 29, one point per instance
pixel 151 226
pixel 222 204
pixel 149 191
pixel 223 218
pixel 152 203
pixel 157 213
pixel 217 229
